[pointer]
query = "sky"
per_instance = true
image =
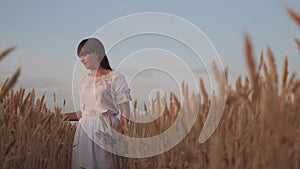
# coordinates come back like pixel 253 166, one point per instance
pixel 46 35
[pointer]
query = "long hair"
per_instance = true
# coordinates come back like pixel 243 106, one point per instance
pixel 94 45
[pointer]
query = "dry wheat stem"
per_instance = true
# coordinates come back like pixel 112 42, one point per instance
pixel 284 75
pixel 294 16
pixel 6 52
pixel 272 66
pixel 251 64
pixel 297 43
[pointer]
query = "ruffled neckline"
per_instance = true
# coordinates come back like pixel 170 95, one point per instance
pixel 100 77
pixel 89 79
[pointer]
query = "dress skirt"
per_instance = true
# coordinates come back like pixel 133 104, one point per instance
pixel 86 150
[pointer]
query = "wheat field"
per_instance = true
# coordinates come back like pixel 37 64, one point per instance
pixel 259 127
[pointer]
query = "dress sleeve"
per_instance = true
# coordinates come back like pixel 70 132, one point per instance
pixel 121 89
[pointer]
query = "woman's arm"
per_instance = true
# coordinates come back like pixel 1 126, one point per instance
pixel 125 115
pixel 73 116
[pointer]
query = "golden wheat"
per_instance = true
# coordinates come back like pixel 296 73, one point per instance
pixel 31 135
pixel 297 43
pixel 294 16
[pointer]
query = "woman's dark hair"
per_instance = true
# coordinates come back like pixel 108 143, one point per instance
pixel 91 45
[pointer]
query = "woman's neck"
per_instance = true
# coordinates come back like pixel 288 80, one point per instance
pixel 100 72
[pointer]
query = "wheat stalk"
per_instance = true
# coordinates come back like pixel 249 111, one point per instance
pixel 297 43
pixel 251 64
pixel 6 52
pixel 272 66
pixel 284 75
pixel 10 84
pixel 294 16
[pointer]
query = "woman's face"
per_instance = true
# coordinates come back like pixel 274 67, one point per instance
pixel 90 60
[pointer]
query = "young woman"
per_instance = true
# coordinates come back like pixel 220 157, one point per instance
pixel 102 92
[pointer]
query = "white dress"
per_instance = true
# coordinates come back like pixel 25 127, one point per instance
pixel 97 95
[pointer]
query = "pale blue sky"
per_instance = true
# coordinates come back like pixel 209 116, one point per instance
pixel 46 33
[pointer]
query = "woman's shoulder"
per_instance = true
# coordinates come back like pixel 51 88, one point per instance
pixel 118 78
pixel 116 74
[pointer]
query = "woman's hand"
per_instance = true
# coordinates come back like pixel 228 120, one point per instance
pixel 125 114
pixel 73 116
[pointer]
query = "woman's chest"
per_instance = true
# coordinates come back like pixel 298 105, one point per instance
pixel 96 90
